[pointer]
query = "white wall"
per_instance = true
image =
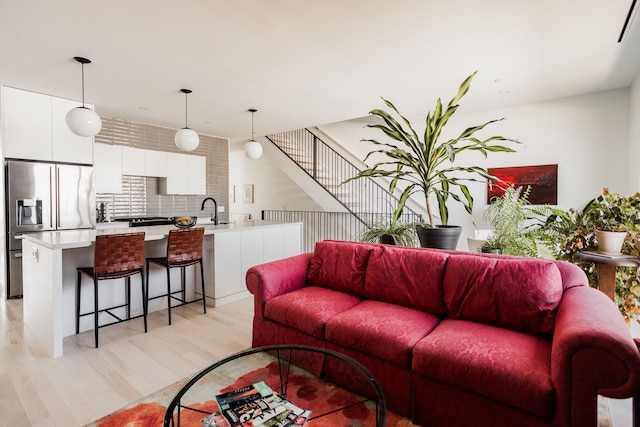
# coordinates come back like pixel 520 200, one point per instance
pixel 273 190
pixel 634 137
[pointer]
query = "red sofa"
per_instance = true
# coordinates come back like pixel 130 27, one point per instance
pixel 454 338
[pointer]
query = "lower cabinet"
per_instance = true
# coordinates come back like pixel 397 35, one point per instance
pixel 228 255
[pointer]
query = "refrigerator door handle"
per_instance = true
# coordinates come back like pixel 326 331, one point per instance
pixel 51 190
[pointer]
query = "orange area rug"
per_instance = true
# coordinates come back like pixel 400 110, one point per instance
pixel 306 390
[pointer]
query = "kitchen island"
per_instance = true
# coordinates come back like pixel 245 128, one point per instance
pixel 50 260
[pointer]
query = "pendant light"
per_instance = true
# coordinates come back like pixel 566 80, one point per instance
pixel 186 139
pixel 252 149
pixel 81 120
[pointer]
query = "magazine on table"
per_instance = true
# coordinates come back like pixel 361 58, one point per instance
pixel 256 405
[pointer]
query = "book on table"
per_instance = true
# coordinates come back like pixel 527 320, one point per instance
pixel 256 405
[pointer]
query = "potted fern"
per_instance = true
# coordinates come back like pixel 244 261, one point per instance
pixel 427 165
pixel 514 223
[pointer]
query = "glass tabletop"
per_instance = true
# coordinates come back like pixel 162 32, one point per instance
pixel 281 385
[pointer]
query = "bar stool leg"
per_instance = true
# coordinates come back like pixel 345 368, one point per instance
pixel 183 279
pixel 169 293
pixel 204 298
pixel 95 314
pixel 128 280
pixel 78 287
pixel 144 298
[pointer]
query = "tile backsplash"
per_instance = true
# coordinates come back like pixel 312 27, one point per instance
pixel 140 196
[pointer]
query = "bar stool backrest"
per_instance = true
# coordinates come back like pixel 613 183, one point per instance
pixel 185 245
pixel 116 255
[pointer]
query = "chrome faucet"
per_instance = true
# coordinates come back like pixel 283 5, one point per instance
pixel 215 209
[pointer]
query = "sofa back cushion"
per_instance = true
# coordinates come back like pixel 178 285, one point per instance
pixel 519 294
pixel 340 265
pixel 407 276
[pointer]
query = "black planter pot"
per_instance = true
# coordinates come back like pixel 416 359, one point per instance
pixel 387 239
pixel 491 250
pixel 439 237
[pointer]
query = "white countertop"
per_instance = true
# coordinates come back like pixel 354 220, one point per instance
pixel 68 239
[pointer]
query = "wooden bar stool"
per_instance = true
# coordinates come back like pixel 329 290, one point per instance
pixel 184 248
pixel 116 256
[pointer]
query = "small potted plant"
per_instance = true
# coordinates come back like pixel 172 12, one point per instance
pixel 390 232
pixel 613 216
pixel 427 165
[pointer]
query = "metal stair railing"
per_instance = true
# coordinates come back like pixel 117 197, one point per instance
pixel 318 226
pixel 329 169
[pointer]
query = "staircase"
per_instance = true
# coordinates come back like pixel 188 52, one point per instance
pixel 363 198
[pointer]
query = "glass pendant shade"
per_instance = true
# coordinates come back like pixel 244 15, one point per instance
pixel 253 149
pixel 83 121
pixel 187 139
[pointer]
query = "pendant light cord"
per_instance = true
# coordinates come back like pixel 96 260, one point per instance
pixel 253 138
pixel 186 106
pixel 82 64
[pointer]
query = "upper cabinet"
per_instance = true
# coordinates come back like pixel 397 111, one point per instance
pixel 133 161
pixel 108 168
pixel 156 163
pixel 186 174
pixel 66 145
pixel 35 128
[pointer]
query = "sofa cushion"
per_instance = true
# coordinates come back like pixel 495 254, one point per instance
pixel 521 294
pixel 407 276
pixel 309 308
pixel 340 265
pixel 386 331
pixel 508 366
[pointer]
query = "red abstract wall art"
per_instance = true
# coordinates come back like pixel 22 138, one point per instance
pixel 543 180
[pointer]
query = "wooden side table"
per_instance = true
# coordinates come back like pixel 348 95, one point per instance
pixel 607 265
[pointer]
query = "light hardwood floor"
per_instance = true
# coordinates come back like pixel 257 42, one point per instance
pixel 88 383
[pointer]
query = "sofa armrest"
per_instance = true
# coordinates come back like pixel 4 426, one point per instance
pixel 592 353
pixel 269 280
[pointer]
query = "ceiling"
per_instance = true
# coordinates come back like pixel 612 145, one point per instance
pixel 304 63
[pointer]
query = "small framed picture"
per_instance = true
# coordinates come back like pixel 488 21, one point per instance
pixel 232 194
pixel 247 193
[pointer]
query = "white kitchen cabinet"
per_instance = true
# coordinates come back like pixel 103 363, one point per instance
pixel 196 175
pixel 176 182
pixel 35 128
pixel 237 251
pixel 108 168
pixel 252 251
pixel 156 163
pixel 27 124
pixel 66 146
pixel 133 161
pixel 291 240
pixel 186 174
pixel 227 264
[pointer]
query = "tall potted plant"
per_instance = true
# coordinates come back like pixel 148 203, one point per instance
pixel 427 165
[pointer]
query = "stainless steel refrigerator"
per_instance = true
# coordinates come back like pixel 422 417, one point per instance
pixel 43 197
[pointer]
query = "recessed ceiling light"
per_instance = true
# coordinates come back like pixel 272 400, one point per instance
pixel 504 91
pixel 143 108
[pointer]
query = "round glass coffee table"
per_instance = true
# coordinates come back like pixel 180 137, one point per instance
pixel 280 385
